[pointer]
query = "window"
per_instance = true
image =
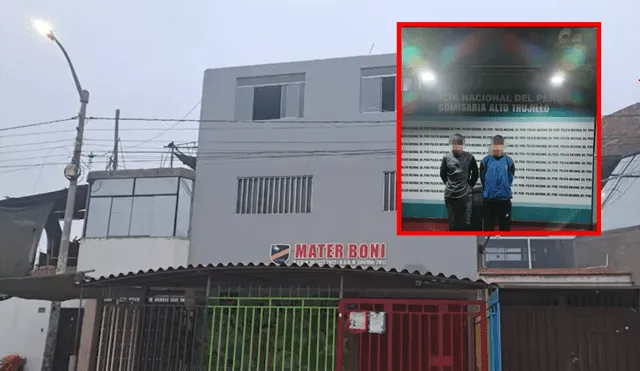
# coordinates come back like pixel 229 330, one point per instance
pixel 378 89
pixel 185 195
pixel 389 191
pixel 530 252
pixel 506 253
pixel 274 195
pixel 270 97
pixel 143 207
pixel 552 253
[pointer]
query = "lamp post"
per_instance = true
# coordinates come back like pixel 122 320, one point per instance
pixel 72 173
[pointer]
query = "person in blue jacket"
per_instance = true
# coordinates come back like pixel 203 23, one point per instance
pixel 497 171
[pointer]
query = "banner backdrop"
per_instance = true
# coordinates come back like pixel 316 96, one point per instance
pixel 420 105
pixel 554 159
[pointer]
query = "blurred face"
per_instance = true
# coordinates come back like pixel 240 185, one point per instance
pixel 456 147
pixel 497 149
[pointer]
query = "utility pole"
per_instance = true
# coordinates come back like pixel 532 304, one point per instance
pixel 171 146
pixel 72 173
pixel 116 138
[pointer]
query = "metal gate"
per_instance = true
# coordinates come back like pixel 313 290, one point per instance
pixel 157 334
pixel 495 346
pixel 67 343
pixel 272 333
pixel 421 335
pixel 570 329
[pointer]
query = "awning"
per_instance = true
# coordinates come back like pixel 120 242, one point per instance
pixel 59 287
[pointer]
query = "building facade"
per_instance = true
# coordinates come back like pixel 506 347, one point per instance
pixel 302 155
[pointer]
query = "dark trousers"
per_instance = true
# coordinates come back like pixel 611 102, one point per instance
pixel 496 212
pixel 459 212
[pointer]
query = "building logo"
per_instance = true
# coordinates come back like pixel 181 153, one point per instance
pixel 280 253
pixel 353 254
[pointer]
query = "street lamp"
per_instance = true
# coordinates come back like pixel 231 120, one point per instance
pixel 72 173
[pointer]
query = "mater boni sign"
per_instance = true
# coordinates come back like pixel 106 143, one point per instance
pixel 362 254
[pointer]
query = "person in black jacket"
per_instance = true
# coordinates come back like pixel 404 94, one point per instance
pixel 459 173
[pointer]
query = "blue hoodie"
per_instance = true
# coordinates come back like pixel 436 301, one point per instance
pixel 496 176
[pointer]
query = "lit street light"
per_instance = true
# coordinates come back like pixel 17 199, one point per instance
pixel 72 173
pixel 43 28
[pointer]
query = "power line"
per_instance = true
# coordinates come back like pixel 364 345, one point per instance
pixel 38 124
pixel 36 143
pixel 344 125
pixel 185 120
pixel 20 148
pixel 237 154
pixel 344 153
pixel 23 147
pixel 171 127
pixel 36 133
pixel 280 121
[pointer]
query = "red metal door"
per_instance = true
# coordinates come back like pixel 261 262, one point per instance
pixel 421 335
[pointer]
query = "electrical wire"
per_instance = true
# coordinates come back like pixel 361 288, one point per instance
pixel 37 133
pixel 238 154
pixel 281 121
pixel 92 143
pixel 170 127
pixel 36 143
pixel 222 156
pixel 185 120
pixel 38 124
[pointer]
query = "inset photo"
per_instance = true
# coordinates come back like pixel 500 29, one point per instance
pixel 499 129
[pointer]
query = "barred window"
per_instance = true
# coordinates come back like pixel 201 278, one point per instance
pixel 274 195
pixel 389 191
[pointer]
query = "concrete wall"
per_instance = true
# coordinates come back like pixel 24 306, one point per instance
pixel 347 202
pixel 123 255
pixel 23 330
pixel 622 246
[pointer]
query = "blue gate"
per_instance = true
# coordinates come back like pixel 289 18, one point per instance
pixel 495 347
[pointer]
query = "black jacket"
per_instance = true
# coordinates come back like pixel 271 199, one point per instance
pixel 459 173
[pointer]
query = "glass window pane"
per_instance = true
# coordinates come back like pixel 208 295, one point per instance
pixel 267 102
pixel 112 187
pixel 379 71
pixel 120 217
pixel 371 94
pixel 291 100
pixel 388 94
pixel 164 216
pixel 185 196
pixel 141 216
pixel 244 104
pixel 271 80
pixel 97 223
pixel 153 216
pixel 156 186
pixel 552 253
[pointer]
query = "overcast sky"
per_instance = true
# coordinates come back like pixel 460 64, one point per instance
pixel 147 58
